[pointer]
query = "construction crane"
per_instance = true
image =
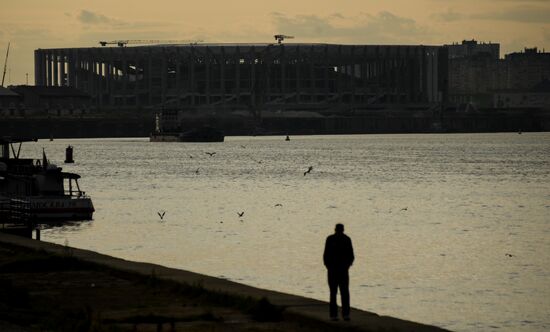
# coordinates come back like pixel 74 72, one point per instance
pixel 122 43
pixel 280 38
pixel 5 64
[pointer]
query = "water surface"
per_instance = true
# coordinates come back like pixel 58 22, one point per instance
pixel 433 218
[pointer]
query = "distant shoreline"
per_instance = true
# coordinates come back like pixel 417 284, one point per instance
pixel 376 122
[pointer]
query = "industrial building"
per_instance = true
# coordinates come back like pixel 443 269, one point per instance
pixel 477 78
pixel 471 48
pixel 322 78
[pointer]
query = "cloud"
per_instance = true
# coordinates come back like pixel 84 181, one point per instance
pixel 384 27
pixel 302 25
pixel 89 17
pixel 338 15
pixel 98 21
pixel 522 14
pixel 449 16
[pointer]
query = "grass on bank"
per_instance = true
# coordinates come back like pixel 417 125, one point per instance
pixel 16 304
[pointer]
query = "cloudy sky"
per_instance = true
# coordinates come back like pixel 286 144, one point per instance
pixel 32 24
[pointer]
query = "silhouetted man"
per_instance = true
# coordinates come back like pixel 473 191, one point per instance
pixel 338 257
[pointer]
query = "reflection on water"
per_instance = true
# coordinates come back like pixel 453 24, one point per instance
pixel 449 230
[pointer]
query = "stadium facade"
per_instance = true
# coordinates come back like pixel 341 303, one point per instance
pixel 324 78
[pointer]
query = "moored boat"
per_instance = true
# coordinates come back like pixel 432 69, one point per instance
pixel 202 134
pixel 169 127
pixel 38 189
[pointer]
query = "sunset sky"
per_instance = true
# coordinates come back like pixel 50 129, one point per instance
pixel 32 24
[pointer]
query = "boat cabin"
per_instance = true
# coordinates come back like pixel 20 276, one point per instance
pixel 33 177
pixel 39 190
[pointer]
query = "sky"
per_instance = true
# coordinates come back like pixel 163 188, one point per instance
pixel 33 24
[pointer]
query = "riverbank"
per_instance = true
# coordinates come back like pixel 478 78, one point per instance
pixel 54 287
pixel 373 121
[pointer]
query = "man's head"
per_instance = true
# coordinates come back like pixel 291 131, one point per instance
pixel 339 228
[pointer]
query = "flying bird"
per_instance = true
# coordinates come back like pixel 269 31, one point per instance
pixel 210 153
pixel 308 170
pixel 161 215
pixel 240 214
pixel 404 209
pixel 197 171
pixel 278 204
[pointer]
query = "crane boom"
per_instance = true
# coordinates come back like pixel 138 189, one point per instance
pixel 124 42
pixel 280 38
pixel 5 64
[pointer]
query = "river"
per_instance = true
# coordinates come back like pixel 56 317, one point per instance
pixel 448 229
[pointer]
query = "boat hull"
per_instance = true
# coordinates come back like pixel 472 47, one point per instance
pixel 61 208
pixel 164 138
pixel 198 135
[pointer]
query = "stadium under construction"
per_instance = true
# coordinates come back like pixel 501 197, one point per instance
pixel 317 80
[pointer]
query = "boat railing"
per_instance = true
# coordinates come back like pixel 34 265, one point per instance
pixel 76 194
pixel 5 212
pixel 15 211
pixel 21 210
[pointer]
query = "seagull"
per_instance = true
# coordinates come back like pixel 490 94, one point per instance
pixel 240 214
pixel 210 153
pixel 161 215
pixel 509 255
pixel 404 209
pixel 197 171
pixel 308 170
pixel 278 204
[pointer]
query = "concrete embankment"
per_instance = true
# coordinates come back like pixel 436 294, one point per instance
pixel 294 308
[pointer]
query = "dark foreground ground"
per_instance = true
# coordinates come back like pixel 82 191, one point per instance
pixel 49 287
pixel 41 291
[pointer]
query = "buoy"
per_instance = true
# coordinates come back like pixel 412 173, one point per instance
pixel 69 155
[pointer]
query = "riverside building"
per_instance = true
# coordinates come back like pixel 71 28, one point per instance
pixel 322 78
